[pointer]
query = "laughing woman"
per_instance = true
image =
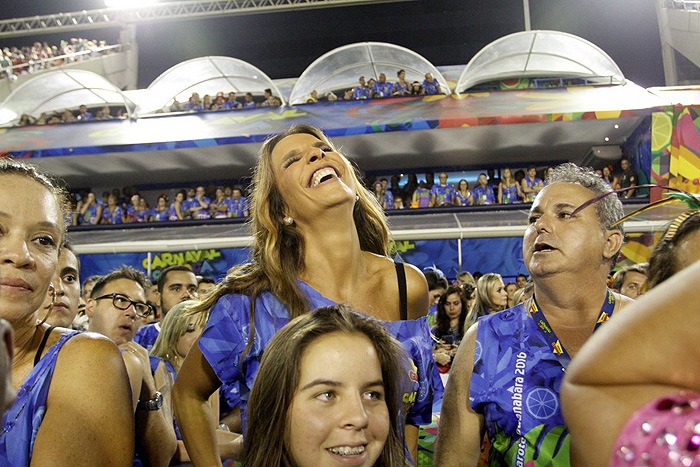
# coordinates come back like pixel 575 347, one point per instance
pixel 50 423
pixel 320 239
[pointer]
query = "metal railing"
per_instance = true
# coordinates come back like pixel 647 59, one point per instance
pixel 111 17
pixel 33 66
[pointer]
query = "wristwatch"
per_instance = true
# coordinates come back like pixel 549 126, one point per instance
pixel 151 404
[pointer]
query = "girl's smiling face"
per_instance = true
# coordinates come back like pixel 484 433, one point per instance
pixel 338 415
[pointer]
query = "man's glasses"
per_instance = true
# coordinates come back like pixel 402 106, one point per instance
pixel 122 302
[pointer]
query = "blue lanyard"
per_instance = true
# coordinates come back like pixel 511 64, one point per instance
pixel 533 311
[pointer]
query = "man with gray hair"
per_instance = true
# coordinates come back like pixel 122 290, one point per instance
pixel 506 377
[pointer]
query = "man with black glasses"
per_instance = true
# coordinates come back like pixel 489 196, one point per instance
pixel 176 284
pixel 116 302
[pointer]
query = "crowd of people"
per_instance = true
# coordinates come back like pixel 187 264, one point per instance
pixel 509 188
pixel 267 368
pixel 16 61
pixel 223 101
pixel 380 88
pixel 212 202
pixel 228 201
pixel 82 114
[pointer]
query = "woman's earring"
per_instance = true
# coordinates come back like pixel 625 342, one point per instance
pixel 288 220
pixel 357 198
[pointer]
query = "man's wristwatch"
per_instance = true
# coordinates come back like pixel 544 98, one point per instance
pixel 151 404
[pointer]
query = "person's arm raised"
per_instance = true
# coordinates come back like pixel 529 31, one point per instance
pixel 194 384
pixel 89 418
pixel 461 429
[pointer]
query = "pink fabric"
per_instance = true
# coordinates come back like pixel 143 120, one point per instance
pixel 665 432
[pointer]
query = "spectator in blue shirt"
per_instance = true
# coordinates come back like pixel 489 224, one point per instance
pixel 442 194
pixel 371 84
pixel 199 206
pixel 361 91
pixel 188 203
pixel 194 104
pixel 483 192
pixel 218 103
pixel 113 213
pixel 238 204
pixel 84 115
pixel 231 102
pixel 430 85
pixel 401 87
pixel 388 195
pixel 382 88
pixel 248 102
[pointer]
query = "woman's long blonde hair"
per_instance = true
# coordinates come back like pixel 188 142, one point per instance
pixel 278 251
pixel 173 326
pixel 482 303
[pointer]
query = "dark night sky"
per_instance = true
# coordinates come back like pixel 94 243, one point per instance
pixel 446 32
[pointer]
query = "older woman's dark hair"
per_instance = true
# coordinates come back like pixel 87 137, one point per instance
pixel 442 320
pixel 664 261
pixel 12 167
pixel 278 378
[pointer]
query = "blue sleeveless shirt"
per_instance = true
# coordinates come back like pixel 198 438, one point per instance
pixel 510 194
pixel 515 386
pixel 21 422
pixel 228 330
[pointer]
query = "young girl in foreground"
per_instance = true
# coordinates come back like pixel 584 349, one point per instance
pixel 328 392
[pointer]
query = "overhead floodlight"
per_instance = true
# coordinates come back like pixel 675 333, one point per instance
pixel 124 4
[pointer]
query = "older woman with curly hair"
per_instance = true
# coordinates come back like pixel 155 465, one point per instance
pixel 320 238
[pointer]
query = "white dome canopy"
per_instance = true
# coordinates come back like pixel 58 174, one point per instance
pixel 60 90
pixel 204 75
pixel 539 54
pixel 340 69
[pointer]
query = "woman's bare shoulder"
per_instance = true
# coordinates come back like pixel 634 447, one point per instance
pixel 89 347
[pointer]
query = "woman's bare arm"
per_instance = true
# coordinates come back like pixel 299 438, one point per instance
pixel 194 384
pixel 89 418
pixel 650 350
pixel 659 329
pixel 461 429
